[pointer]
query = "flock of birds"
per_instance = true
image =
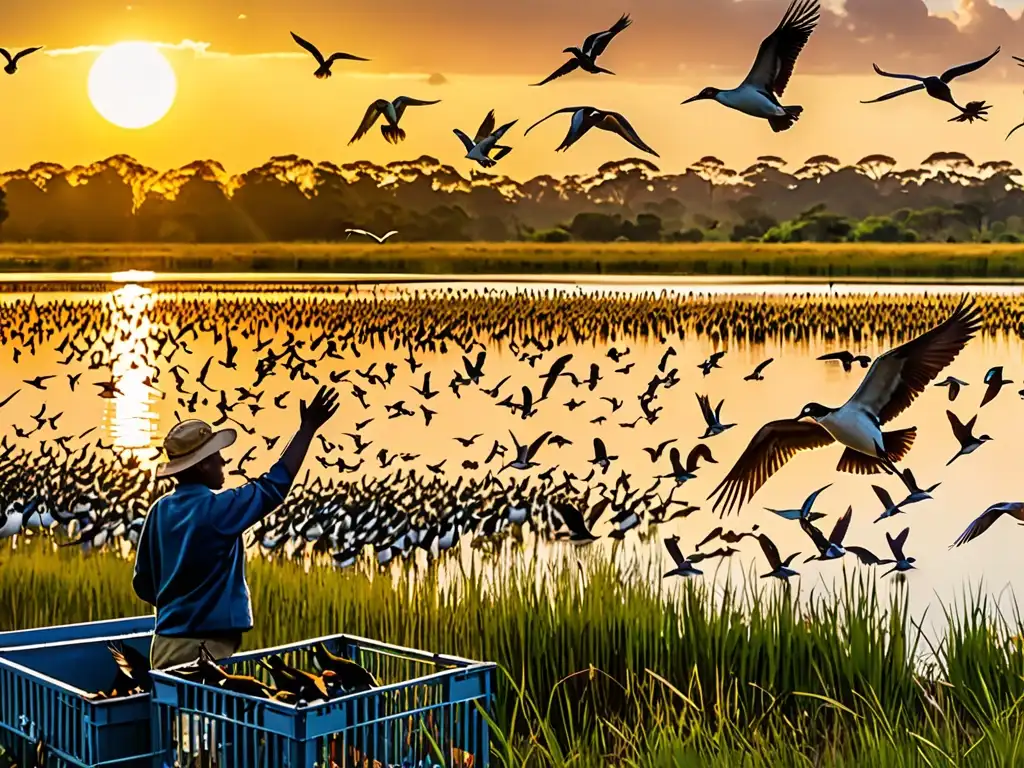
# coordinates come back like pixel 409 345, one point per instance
pixel 389 505
pixel 757 95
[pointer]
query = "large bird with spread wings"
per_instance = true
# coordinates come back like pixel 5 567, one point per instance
pixel 585 118
pixel 892 383
pixel 758 95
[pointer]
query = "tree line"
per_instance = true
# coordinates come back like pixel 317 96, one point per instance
pixel 947 198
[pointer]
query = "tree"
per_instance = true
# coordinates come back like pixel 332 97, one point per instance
pixel 714 172
pixel 3 207
pixel 875 166
pixel 817 166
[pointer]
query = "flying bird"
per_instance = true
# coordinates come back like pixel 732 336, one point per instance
pixel 392 112
pixel 832 548
pixel 954 385
pixel 891 385
pixel 900 562
pixel 938 88
pixel 381 239
pixel 758 371
pixel 486 141
pixel 779 568
pixel 324 70
pixel 847 358
pixel 758 94
pixel 964 433
pixel 804 513
pixel 683 565
pixel 586 58
pixel 984 521
pixel 585 118
pixel 12 61
pixel 994 379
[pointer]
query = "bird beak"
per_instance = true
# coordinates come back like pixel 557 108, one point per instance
pixel 698 97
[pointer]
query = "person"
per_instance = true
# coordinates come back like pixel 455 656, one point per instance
pixel 190 562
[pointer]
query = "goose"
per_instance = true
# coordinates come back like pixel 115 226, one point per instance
pixel 890 386
pixel 585 118
pixel 758 94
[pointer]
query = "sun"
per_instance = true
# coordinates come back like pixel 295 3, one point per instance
pixel 132 85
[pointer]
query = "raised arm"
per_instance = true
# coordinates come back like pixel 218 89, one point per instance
pixel 239 509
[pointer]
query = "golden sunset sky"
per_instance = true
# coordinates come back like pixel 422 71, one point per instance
pixel 246 92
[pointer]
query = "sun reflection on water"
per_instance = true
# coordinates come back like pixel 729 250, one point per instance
pixel 130 414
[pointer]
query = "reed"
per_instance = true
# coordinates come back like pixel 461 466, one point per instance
pixel 600 664
pixel 839 261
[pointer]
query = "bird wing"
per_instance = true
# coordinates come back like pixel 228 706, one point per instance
pixel 965 69
pixel 867 557
pixel 596 43
pixel 6 55
pixel 983 522
pixel 894 94
pixel 816 536
pixel 897 75
pixel 565 69
pixel 843 356
pixel 405 101
pixel 372 113
pixel 535 445
pixel 896 544
pixel 897 377
pixel 309 47
pixel 771 552
pixel 486 128
pixel 617 123
pixel 600 451
pixel 556 112
pixel 883 496
pixel 841 527
pixel 339 56
pixel 762 366
pixel 466 141
pixel 26 52
pixel 705 409
pixel 1013 130
pixel 773 445
pixel 778 53
pixel 672 545
pixel 805 509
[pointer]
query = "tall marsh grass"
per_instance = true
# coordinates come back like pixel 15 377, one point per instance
pixel 601 666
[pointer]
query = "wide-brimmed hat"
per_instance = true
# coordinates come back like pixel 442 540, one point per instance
pixel 190 442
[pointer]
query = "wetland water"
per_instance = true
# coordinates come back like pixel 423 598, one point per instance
pixel 115 331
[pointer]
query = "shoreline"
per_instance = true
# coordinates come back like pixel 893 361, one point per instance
pixel 574 262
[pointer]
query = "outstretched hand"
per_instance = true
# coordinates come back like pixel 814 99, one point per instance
pixel 320 409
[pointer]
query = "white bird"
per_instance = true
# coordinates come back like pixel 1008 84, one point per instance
pixel 378 238
pixel 486 141
pixel 891 385
pixel 758 94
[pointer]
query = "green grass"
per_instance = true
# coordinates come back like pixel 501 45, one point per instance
pixel 602 667
pixel 821 260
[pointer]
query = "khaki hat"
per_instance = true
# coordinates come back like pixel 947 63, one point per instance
pixel 189 442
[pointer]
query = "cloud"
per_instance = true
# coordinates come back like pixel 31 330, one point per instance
pixel 437 79
pixel 202 50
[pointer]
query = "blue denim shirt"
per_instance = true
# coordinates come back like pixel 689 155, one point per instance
pixel 191 560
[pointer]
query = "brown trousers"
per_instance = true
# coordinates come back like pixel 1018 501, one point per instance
pixel 171 651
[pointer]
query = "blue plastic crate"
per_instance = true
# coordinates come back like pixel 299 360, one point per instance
pixel 427 709
pixel 42 696
pixel 84 631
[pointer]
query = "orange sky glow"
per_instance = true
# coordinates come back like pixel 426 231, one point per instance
pixel 245 92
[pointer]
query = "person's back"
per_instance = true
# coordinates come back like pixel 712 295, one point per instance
pixel 190 562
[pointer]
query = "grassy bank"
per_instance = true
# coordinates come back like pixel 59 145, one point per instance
pixel 822 260
pixel 611 671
